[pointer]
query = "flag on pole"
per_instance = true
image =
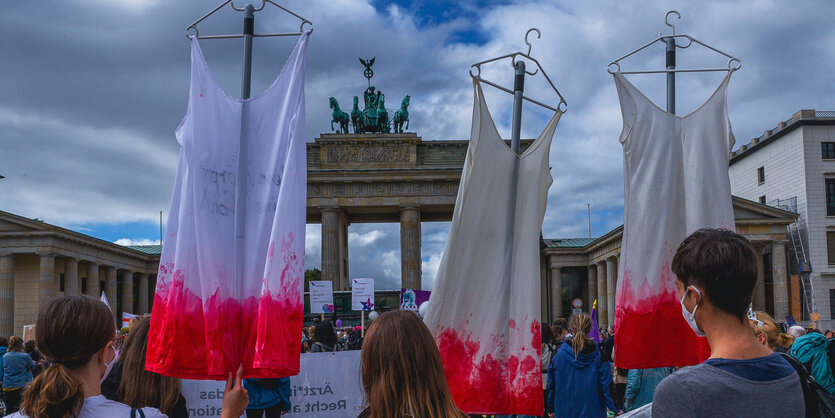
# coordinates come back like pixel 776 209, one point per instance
pixel 104 299
pixel 595 331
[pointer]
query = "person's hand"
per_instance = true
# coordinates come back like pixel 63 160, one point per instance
pixel 551 415
pixel 619 413
pixel 235 398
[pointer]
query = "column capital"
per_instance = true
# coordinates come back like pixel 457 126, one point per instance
pixel 592 266
pixel 409 207
pixel 6 254
pixel 90 262
pixel 44 254
pixel 330 208
pixel 555 264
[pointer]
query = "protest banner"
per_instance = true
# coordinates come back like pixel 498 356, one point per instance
pixel 362 294
pixel 328 386
pixel 410 299
pixel 28 332
pixel 321 296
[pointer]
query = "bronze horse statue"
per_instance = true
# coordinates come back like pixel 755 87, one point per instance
pixel 401 116
pixel 356 116
pixel 339 117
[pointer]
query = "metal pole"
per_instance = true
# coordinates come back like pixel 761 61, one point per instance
pixel 249 26
pixel 518 90
pixel 671 77
pixel 588 205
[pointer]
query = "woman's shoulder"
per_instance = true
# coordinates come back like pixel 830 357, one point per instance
pixel 99 406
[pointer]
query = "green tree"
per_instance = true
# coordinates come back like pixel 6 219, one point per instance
pixel 311 274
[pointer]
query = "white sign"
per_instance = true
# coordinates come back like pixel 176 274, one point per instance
pixel 329 386
pixel 321 296
pixel 576 311
pixel 362 294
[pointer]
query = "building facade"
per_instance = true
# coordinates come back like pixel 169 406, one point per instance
pixel 792 166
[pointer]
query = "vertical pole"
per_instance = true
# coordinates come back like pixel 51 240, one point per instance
pixel 671 77
pixel 362 324
pixel 249 26
pixel 518 90
pixel 588 206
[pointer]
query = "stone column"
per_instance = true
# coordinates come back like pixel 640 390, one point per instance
pixel 127 292
pixel 602 307
pixel 6 294
pixel 330 247
pixel 71 283
pixel 611 288
pixel 46 279
pixel 110 287
pixel 410 263
pixel 779 278
pixel 759 290
pixel 592 286
pixel 556 287
pixel 93 280
pixel 142 294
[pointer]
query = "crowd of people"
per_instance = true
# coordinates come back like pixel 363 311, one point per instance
pixel 73 370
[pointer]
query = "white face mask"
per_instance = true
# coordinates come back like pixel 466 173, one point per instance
pixel 690 317
pixel 109 366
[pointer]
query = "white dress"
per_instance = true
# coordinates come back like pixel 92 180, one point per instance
pixel 484 310
pixel 676 182
pixel 229 288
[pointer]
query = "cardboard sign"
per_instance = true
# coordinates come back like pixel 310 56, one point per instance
pixel 28 332
pixel 410 299
pixel 321 296
pixel 815 316
pixel 362 294
pixel 328 386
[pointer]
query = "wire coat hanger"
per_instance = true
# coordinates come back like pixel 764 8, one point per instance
pixel 561 106
pixel 196 34
pixel 734 63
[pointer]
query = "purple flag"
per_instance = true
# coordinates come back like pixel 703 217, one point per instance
pixel 595 331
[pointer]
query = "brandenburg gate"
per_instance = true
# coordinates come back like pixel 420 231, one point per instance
pixel 394 177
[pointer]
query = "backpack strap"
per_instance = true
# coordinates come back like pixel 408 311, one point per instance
pixel 133 412
pixel 810 399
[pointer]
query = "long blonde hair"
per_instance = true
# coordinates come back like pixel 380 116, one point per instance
pixel 580 326
pixel 402 373
pixel 773 337
pixel 140 388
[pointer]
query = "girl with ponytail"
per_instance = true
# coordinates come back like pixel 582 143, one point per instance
pixel 578 378
pixel 77 334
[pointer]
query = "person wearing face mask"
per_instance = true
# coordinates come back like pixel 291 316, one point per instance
pixel 716 271
pixel 77 334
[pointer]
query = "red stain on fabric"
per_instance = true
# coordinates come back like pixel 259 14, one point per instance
pixel 647 317
pixel 192 338
pixel 491 383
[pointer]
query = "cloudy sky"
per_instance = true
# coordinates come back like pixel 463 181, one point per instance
pixel 91 91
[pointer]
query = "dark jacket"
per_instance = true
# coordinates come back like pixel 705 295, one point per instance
pixel 579 387
pixel 321 348
pixel 264 393
pixel 110 390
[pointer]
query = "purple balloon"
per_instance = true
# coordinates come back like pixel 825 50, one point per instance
pixel 339 322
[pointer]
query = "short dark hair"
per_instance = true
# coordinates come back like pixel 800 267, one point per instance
pixel 722 264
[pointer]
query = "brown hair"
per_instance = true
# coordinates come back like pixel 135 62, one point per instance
pixel 70 330
pixel 580 326
pixel 773 337
pixel 560 325
pixel 139 388
pixel 15 344
pixel 722 264
pixel 402 373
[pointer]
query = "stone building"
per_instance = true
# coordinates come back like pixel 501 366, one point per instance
pixel 792 166
pixel 351 178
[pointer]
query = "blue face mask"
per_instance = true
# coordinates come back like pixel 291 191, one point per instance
pixel 690 317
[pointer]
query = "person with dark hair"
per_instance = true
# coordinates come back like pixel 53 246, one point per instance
pixel 15 373
pixel 129 383
pixel 78 335
pixel 559 329
pixel 30 348
pixel 578 378
pixel 4 344
pixel 716 272
pixel 324 337
pixel 402 373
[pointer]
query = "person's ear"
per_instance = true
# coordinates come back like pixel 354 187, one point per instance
pixel 762 338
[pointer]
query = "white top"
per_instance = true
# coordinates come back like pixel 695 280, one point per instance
pixel 675 181
pixel 229 288
pixel 99 406
pixel 485 306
